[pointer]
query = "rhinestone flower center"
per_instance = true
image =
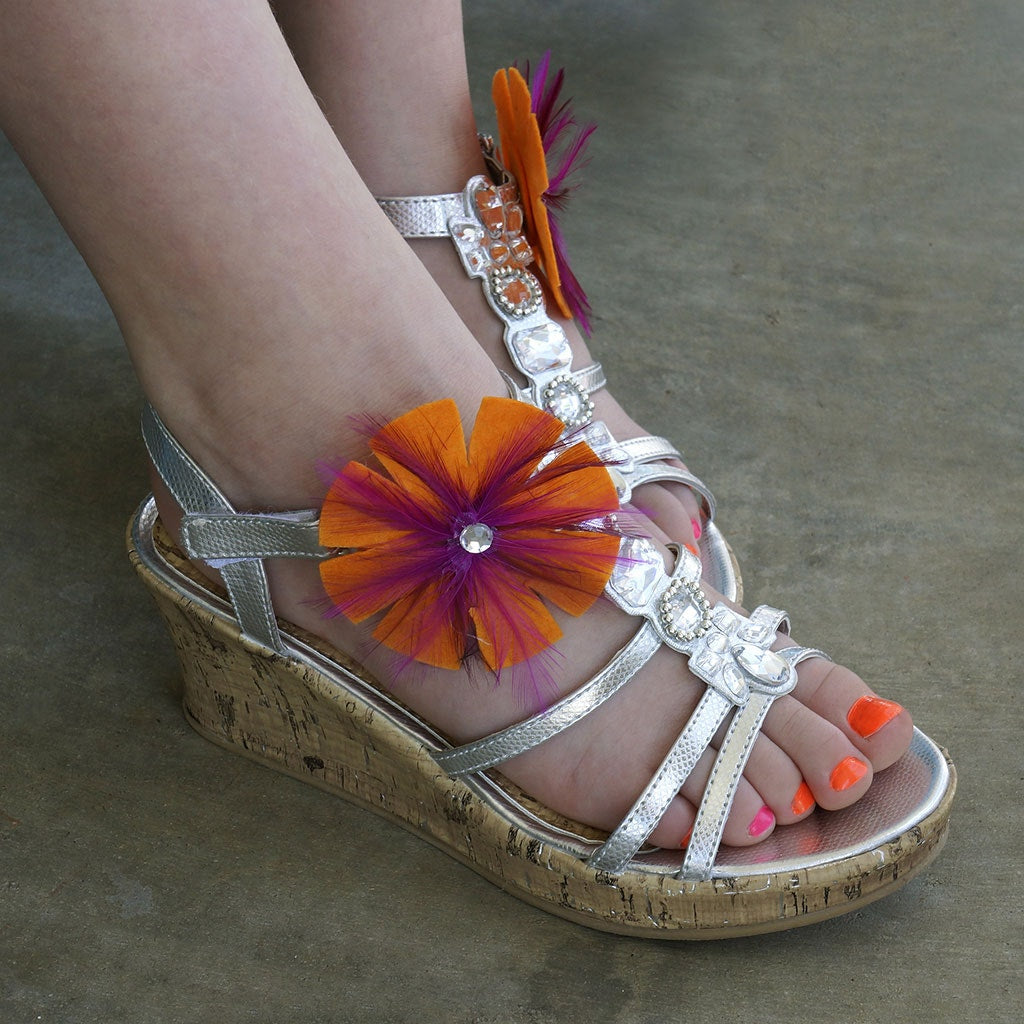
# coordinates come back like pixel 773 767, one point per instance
pixel 476 538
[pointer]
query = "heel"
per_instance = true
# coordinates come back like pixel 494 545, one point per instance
pixel 330 731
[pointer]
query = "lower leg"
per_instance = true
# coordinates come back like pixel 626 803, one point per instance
pixel 394 85
pixel 255 282
pixel 239 250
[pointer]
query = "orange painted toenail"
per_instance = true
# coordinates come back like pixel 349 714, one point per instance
pixel 847 773
pixel 869 714
pixel 686 840
pixel 803 801
pixel 763 820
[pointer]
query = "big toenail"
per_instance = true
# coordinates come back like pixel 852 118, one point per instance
pixel 847 773
pixel 870 713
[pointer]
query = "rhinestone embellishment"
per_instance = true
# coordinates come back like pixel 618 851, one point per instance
pixel 685 613
pixel 564 398
pixel 542 348
pixel 515 291
pixel 636 572
pixel 765 666
pixel 476 538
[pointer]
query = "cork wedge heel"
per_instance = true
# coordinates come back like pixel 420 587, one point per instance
pixel 295 705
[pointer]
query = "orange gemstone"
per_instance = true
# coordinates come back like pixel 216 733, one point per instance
pixel 516 293
pixel 513 219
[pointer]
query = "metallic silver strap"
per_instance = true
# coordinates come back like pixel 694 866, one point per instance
pixel 591 378
pixel 724 781
pixel 664 472
pixel 422 216
pixel 731 656
pixel 653 802
pixel 504 745
pixel 233 535
pixel 194 492
pixel 649 449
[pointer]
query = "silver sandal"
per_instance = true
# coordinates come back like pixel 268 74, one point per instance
pixel 269 691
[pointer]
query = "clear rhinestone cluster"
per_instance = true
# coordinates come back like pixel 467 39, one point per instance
pixel 729 655
pixel 564 398
pixel 684 611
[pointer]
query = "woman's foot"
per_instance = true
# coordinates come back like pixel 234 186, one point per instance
pixel 819 746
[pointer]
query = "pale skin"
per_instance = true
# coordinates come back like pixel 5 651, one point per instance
pixel 264 298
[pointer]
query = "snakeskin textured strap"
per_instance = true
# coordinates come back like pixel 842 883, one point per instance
pixel 422 216
pixel 504 745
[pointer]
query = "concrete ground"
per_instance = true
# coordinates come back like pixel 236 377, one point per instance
pixel 802 233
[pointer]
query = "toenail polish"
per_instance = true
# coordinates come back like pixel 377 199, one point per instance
pixel 763 820
pixel 697 530
pixel 847 773
pixel 870 713
pixel 686 840
pixel 803 801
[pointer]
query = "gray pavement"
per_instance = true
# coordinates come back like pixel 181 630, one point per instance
pixel 802 234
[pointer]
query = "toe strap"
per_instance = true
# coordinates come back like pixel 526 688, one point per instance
pixel 730 652
pixel 727 772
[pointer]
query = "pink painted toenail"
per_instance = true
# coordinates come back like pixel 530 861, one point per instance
pixel 697 530
pixel 763 820
pixel 847 773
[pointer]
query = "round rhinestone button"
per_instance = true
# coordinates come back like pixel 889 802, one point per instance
pixel 476 538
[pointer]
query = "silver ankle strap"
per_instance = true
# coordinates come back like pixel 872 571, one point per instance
pixel 422 216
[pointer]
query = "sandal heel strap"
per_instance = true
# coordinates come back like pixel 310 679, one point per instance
pixel 214 536
pixel 213 531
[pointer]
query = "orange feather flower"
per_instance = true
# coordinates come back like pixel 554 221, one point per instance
pixel 460 547
pixel 532 126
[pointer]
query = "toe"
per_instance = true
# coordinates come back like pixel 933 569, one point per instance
pixel 674 510
pixel 750 819
pixel 835 770
pixel 779 781
pixel 880 729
